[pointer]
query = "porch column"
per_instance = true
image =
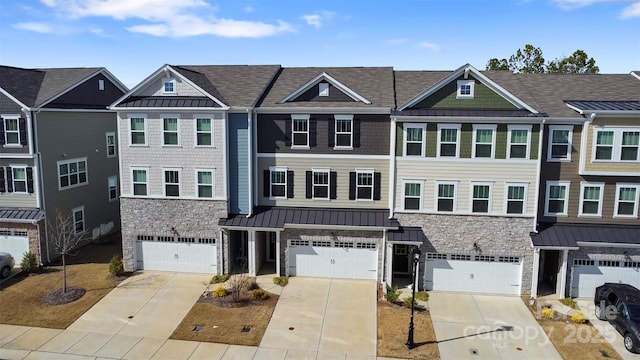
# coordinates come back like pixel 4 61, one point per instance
pixel 561 282
pixel 278 253
pixel 534 274
pixel 251 253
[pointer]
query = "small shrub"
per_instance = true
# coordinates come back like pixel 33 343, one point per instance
pixel 219 278
pixel 252 285
pixel 220 291
pixel 578 317
pixel 548 313
pixel 392 294
pixel 407 302
pixel 29 262
pixel 281 280
pixel 116 266
pixel 259 294
pixel 422 296
pixel 569 302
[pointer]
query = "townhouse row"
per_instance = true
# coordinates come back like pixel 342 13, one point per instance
pixel 508 183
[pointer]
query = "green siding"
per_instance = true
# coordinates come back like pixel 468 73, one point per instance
pixel 501 141
pixel 432 139
pixel 484 98
pixel 466 141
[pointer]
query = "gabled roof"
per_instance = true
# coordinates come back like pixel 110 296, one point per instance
pixel 432 85
pixel 370 87
pixel 567 235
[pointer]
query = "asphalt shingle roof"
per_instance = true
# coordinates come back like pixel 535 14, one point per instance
pixel 568 235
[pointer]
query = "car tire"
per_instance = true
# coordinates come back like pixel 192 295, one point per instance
pixel 628 342
pixel 6 271
pixel 598 312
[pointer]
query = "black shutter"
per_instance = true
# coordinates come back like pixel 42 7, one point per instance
pixel 377 178
pixel 22 124
pixel 352 185
pixel 287 132
pixel 289 184
pixel 2 182
pixel 9 179
pixel 356 132
pixel 331 132
pixel 334 185
pixel 30 180
pixel 313 126
pixel 267 183
pixel 309 184
pixel 1 131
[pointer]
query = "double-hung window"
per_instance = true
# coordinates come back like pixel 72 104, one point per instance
pixel 591 199
pixel 321 179
pixel 630 144
pixel 170 131
pixel 278 183
pixel 516 197
pixel 414 139
pixel 72 173
pixel 111 144
pixel 604 145
pixel 448 138
pixel 171 182
pixel 465 89
pixel 137 129
pixel 484 141
pixel 518 142
pixel 413 195
pixel 169 86
pixel 364 185
pixel 19 175
pixel 446 196
pixel 300 131
pixel 78 220
pixel 205 183
pixel 481 197
pixel 204 131
pixel 559 147
pixel 12 131
pixel 627 200
pixel 619 144
pixel 557 198
pixel 112 184
pixel 344 131
pixel 139 182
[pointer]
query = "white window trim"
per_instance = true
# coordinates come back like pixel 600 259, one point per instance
pixel 635 208
pixel 164 182
pixel 459 84
pixel 616 151
pixel 506 196
pixel 109 181
pixel 528 145
pixel 146 129
pixel 69 161
pixel 567 184
pixel 455 195
pixel 293 119
pixel 423 128
pixel 4 124
pixel 100 84
pixel 73 219
pixel 471 198
pixel 313 184
pixel 286 185
pixel 171 80
pixel 26 181
pixel 552 128
pixel 335 133
pixel 195 129
pixel 162 131
pixel 421 201
pixel 494 129
pixel 373 183
pixel 457 127
pixel 115 145
pixel 584 184
pixel 213 182
pixel 147 171
pixel 323 89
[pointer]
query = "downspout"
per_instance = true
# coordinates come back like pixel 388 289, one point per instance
pixel 538 176
pixel 250 145
pixel 392 167
pixel 40 186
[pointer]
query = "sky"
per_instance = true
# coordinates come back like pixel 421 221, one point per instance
pixel 134 38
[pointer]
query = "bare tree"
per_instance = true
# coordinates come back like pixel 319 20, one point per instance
pixel 65 235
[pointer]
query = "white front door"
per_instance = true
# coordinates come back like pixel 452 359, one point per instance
pixel 333 259
pixel 587 274
pixel 174 256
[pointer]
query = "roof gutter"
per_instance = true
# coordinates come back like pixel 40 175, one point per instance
pixel 606 244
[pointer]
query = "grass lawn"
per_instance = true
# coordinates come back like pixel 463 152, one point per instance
pixel 21 296
pixel 573 340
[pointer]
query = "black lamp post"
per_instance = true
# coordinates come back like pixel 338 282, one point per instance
pixel 416 258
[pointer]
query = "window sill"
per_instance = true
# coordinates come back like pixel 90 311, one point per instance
pixel 559 160
pixel 299 147
pixel 278 198
pixel 205 146
pixel 13 146
pixel 625 217
pixel 590 216
pixel 139 145
pixel 171 146
pixel 556 215
pixel 343 148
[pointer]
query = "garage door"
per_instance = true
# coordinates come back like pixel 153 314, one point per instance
pixel 15 243
pixel 191 255
pixel 587 274
pixel 492 274
pixel 333 259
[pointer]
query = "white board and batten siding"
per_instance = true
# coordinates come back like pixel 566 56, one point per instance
pixel 490 274
pixel 333 259
pixel 587 274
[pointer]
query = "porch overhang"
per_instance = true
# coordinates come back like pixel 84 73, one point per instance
pixel 21 215
pixel 573 236
pixel 407 236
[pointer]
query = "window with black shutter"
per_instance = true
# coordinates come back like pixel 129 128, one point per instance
pixel 334 185
pixel 2 181
pixel 290 184
pixel 9 179
pixel 23 131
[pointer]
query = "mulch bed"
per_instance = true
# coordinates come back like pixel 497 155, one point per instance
pixel 60 297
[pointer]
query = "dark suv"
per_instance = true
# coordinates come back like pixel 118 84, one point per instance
pixel 620 305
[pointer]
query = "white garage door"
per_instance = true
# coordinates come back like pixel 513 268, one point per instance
pixel 333 259
pixel 587 274
pixel 492 274
pixel 15 243
pixel 176 256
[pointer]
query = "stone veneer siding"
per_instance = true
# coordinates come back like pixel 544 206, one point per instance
pixel 143 216
pixel 458 233
pixel 329 235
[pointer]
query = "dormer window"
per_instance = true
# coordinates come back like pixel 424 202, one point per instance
pixel 169 86
pixel 465 89
pixel 323 89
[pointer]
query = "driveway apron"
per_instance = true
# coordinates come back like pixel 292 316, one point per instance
pixel 469 326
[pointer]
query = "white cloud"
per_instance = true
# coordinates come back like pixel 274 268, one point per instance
pixel 35 26
pixel 632 11
pixel 396 41
pixel 318 19
pixel 572 4
pixel 430 46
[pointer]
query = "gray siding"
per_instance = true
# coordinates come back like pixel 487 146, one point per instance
pixel 88 96
pixel 238 177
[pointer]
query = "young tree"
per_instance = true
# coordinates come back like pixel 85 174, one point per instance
pixel 65 236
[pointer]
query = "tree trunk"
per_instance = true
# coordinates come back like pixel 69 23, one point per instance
pixel 64 274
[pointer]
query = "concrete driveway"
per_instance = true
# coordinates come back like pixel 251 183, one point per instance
pixel 469 326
